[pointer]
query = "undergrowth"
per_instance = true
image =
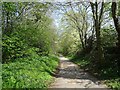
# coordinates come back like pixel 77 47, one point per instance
pixel 108 73
pixel 30 72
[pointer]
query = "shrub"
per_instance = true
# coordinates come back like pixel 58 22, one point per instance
pixel 29 72
pixel 13 47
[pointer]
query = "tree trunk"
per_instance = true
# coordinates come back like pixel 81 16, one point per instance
pixel 117 26
pixel 97 24
pixel 99 47
pixel 81 39
pixel 116 22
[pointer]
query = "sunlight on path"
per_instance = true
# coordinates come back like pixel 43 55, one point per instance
pixel 71 76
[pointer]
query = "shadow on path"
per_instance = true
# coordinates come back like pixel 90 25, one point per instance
pixel 71 76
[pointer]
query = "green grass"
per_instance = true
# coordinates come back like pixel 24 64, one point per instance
pixel 81 61
pixel 30 72
pixel 114 83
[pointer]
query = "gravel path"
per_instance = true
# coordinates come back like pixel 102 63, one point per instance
pixel 71 76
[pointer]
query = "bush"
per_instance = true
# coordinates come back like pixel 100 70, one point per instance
pixel 13 47
pixel 30 72
pixel 109 70
pixel 114 84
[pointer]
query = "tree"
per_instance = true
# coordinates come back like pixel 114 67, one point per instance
pixel 77 18
pixel 27 26
pixel 116 19
pixel 97 17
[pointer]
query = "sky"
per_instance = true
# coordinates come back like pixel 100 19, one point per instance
pixel 57 16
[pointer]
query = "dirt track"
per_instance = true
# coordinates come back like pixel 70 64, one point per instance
pixel 71 76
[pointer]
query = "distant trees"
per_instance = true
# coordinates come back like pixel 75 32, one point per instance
pixel 25 26
pixel 89 19
pixel 69 41
pixel 76 16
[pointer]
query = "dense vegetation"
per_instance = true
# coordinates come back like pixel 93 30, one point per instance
pixel 30 72
pixel 28 42
pixel 91 38
pixel 89 33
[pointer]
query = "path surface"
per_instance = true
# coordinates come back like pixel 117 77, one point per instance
pixel 71 76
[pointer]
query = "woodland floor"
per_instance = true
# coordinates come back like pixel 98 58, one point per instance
pixel 71 76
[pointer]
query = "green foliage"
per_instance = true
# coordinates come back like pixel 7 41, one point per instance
pixel 29 38
pixel 108 32
pixel 28 41
pixel 108 71
pixel 9 6
pixel 33 29
pixel 13 47
pixel 69 42
pixel 114 83
pixel 81 60
pixel 30 72
pixel 39 34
